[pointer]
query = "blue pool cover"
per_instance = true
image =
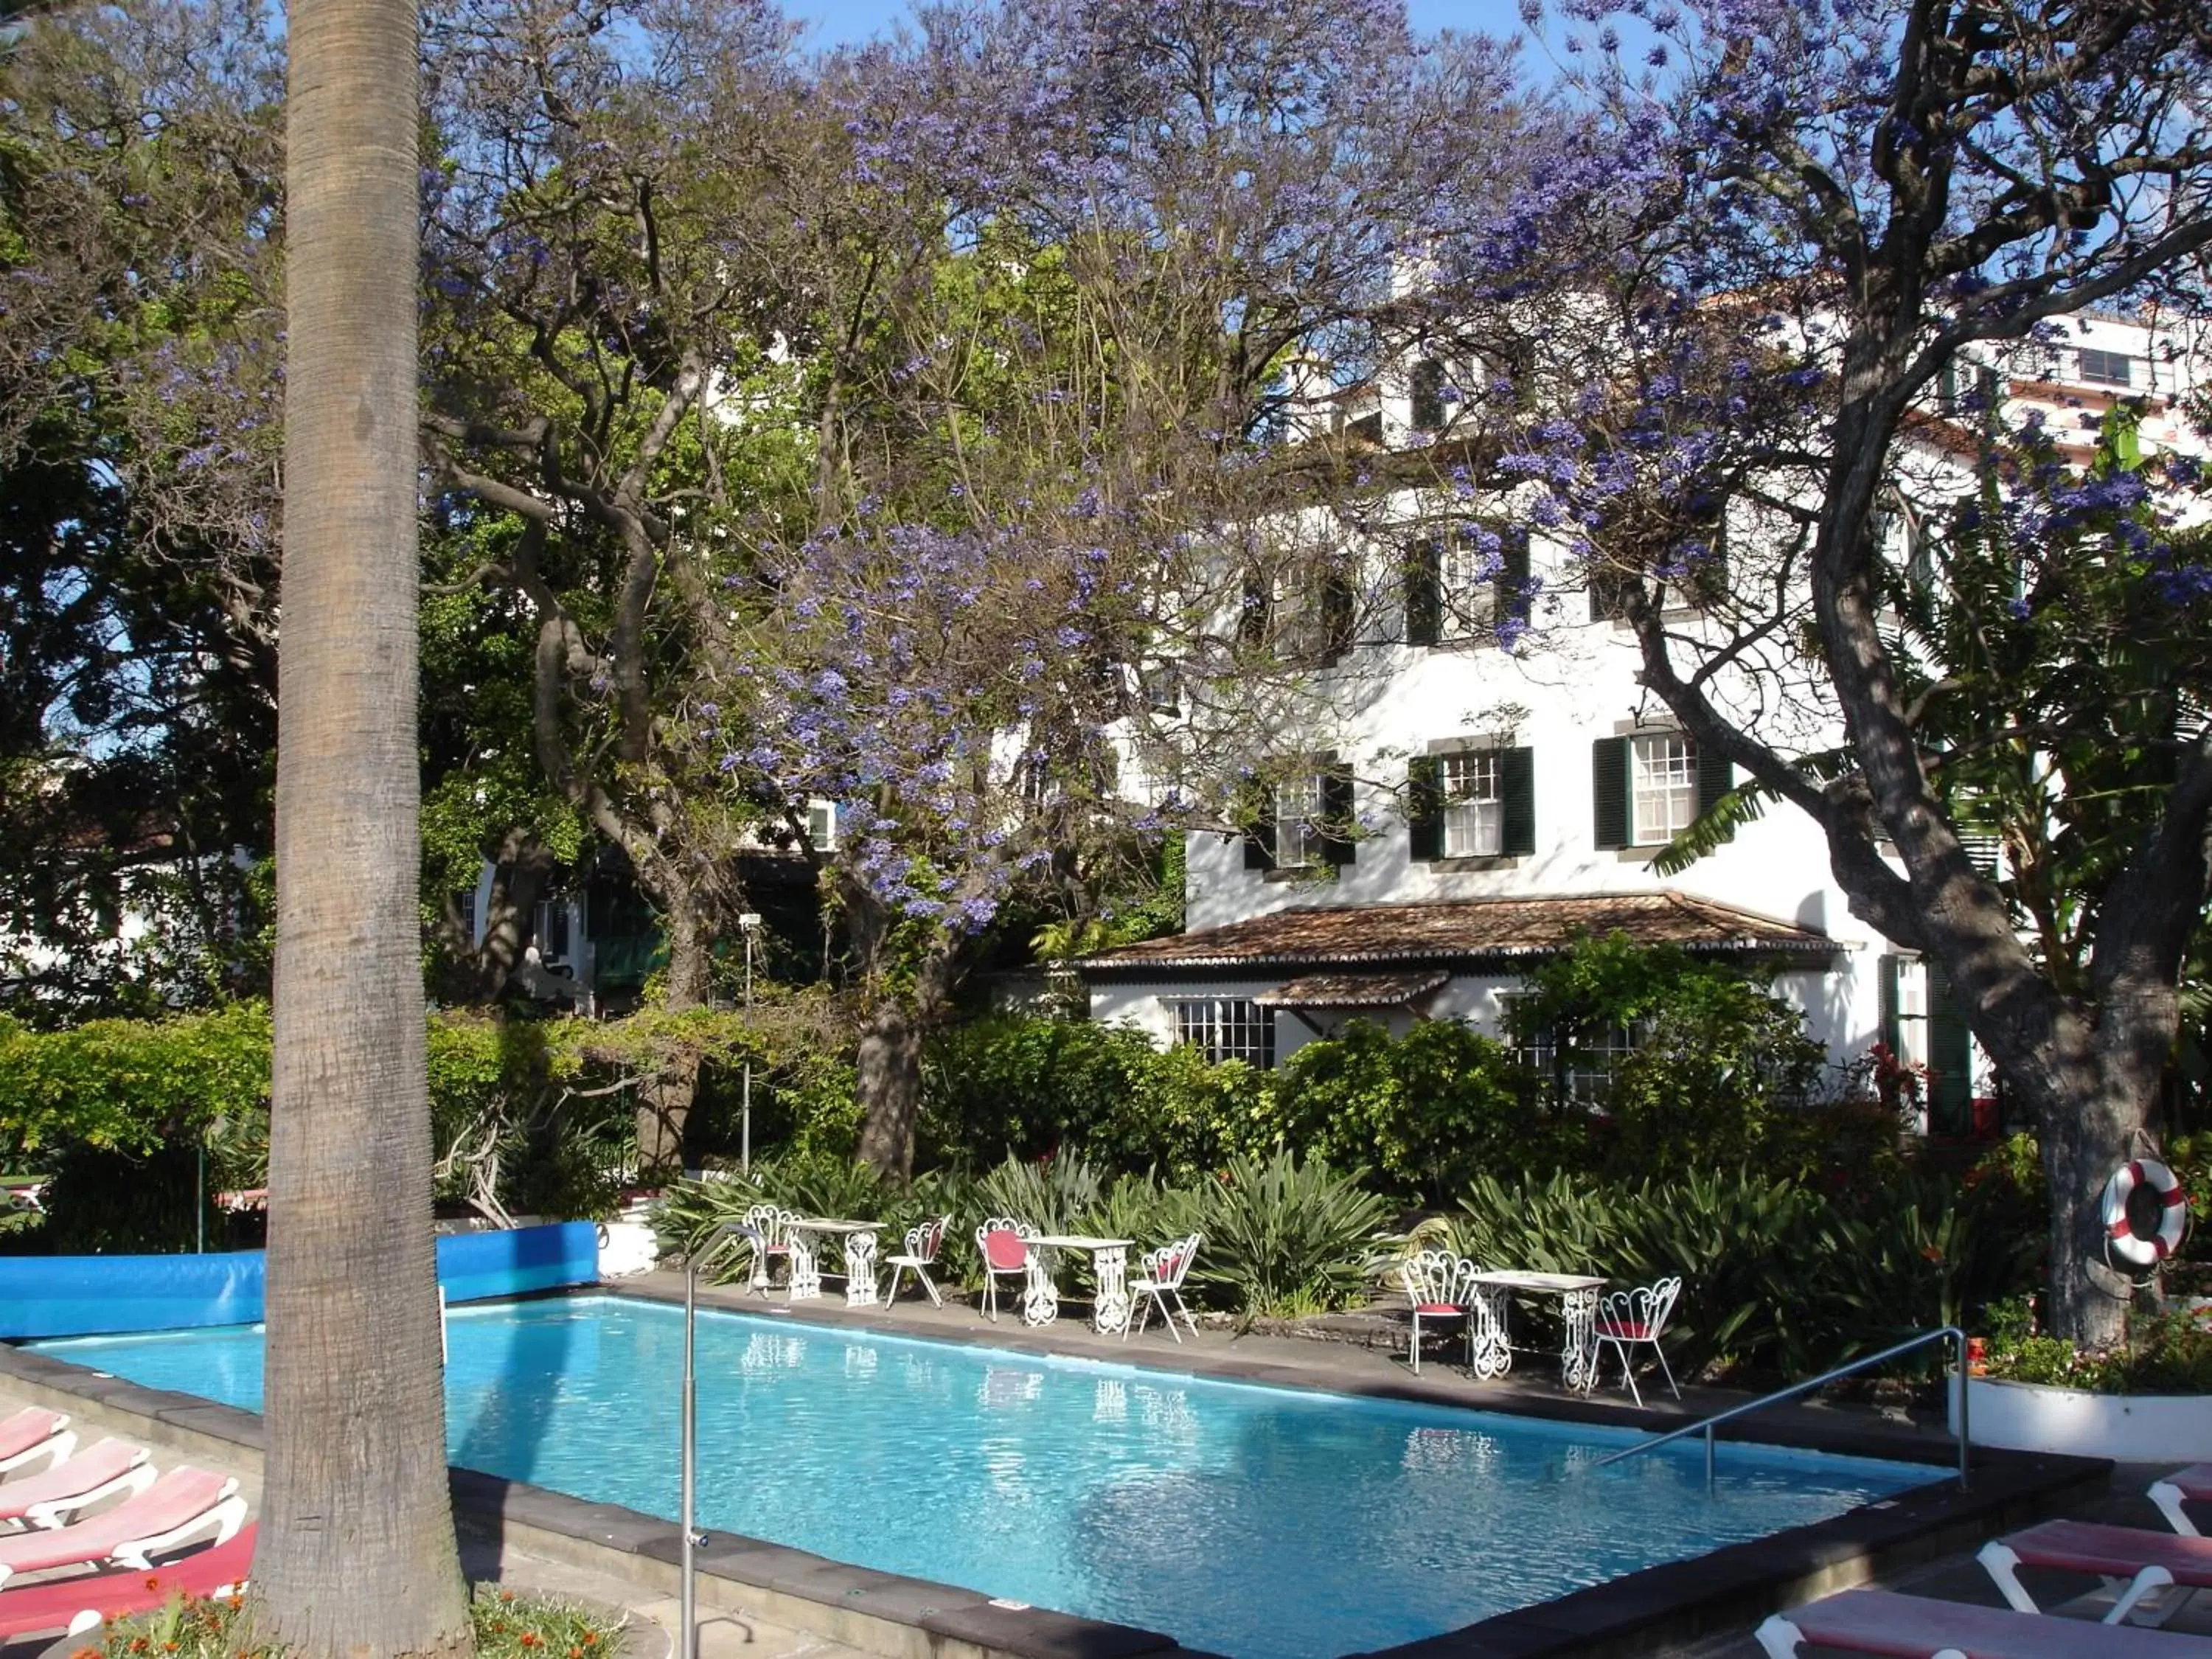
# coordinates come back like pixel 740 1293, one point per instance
pixel 93 1295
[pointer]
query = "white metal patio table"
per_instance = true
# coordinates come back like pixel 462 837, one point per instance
pixel 1490 1354
pixel 1109 1264
pixel 860 1236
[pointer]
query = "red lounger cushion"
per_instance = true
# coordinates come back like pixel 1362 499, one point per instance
pixel 36 1608
pixel 1914 1626
pixel 2194 1481
pixel 2113 1551
pixel 95 1466
pixel 183 1494
pixel 1440 1308
pixel 31 1426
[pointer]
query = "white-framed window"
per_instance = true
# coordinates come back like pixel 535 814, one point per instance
pixel 1298 821
pixel 550 931
pixel 1227 1028
pixel 2107 368
pixel 1662 775
pixel 1592 1062
pixel 1467 579
pixel 821 826
pixel 1473 784
pixel 465 902
pixel 1160 683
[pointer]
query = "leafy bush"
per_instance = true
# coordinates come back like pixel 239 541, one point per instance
pixel 1776 1274
pixel 128 1085
pixel 1285 1237
pixel 1715 1062
pixel 1427 1112
pixel 2165 1353
pixel 1052 1193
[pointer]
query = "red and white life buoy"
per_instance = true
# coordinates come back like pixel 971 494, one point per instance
pixel 2122 1238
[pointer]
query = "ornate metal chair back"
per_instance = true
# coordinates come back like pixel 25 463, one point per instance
pixel 924 1242
pixel 1641 1314
pixel 999 1241
pixel 1434 1278
pixel 1166 1266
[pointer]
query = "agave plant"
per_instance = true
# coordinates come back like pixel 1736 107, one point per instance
pixel 1285 1238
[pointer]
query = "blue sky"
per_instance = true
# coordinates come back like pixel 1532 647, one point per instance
pixel 856 19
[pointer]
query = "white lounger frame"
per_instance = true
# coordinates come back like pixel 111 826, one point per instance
pixel 56 1446
pixel 59 1511
pixel 2003 1566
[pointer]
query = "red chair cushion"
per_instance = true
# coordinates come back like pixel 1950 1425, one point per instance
pixel 1004 1251
pixel 1437 1308
pixel 1633 1330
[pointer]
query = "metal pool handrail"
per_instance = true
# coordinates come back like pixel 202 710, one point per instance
pixel 1948 1333
pixel 716 1242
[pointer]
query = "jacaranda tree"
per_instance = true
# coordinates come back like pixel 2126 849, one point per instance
pixel 1746 288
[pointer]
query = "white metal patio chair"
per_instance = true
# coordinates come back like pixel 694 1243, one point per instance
pixel 768 1229
pixel 1161 1283
pixel 1625 1318
pixel 1440 1285
pixel 1003 1244
pixel 922 1244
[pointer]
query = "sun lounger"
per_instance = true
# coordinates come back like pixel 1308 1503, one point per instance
pixel 2132 1561
pixel 78 1605
pixel 2190 1485
pixel 175 1510
pixel 32 1433
pixel 101 1470
pixel 1917 1627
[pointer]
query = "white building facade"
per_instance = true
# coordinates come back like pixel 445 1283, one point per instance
pixel 1508 799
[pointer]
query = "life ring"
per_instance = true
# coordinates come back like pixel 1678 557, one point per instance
pixel 2121 1237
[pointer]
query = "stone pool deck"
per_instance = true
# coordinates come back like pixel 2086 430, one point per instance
pixel 762 1599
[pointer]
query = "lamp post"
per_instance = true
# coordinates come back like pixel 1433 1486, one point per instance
pixel 747 925
pixel 717 1241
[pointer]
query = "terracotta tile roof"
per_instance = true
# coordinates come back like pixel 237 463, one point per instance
pixel 1353 990
pixel 1469 931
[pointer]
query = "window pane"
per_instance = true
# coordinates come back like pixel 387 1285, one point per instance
pixel 2107 368
pixel 1475 805
pixel 1467 576
pixel 1665 777
pixel 1298 809
pixel 1227 1028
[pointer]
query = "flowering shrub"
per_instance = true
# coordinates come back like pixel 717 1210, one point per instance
pixel 2165 1353
pixel 507 1626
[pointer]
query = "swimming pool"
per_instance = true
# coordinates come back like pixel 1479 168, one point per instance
pixel 1260 1523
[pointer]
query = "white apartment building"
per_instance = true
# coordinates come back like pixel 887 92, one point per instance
pixel 1510 800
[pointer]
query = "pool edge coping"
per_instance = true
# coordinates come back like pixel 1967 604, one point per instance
pixel 902 1617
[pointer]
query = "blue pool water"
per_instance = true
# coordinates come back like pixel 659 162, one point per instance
pixel 1265 1523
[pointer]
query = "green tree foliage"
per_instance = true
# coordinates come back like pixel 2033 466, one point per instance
pixel 1716 1062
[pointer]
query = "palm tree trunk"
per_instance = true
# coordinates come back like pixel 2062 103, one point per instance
pixel 357 1554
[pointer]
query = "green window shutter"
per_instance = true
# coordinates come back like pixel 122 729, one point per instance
pixel 1260 838
pixel 1511 586
pixel 1424 607
pixel 1950 1059
pixel 1518 784
pixel 1428 390
pixel 1425 806
pixel 1608 593
pixel 1609 790
pixel 1337 616
pixel 1252 620
pixel 1893 1035
pixel 1716 777
pixel 1337 847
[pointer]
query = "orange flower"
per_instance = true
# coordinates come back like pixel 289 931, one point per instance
pixel 153 1581
pixel 591 1638
pixel 529 1639
pixel 507 1596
